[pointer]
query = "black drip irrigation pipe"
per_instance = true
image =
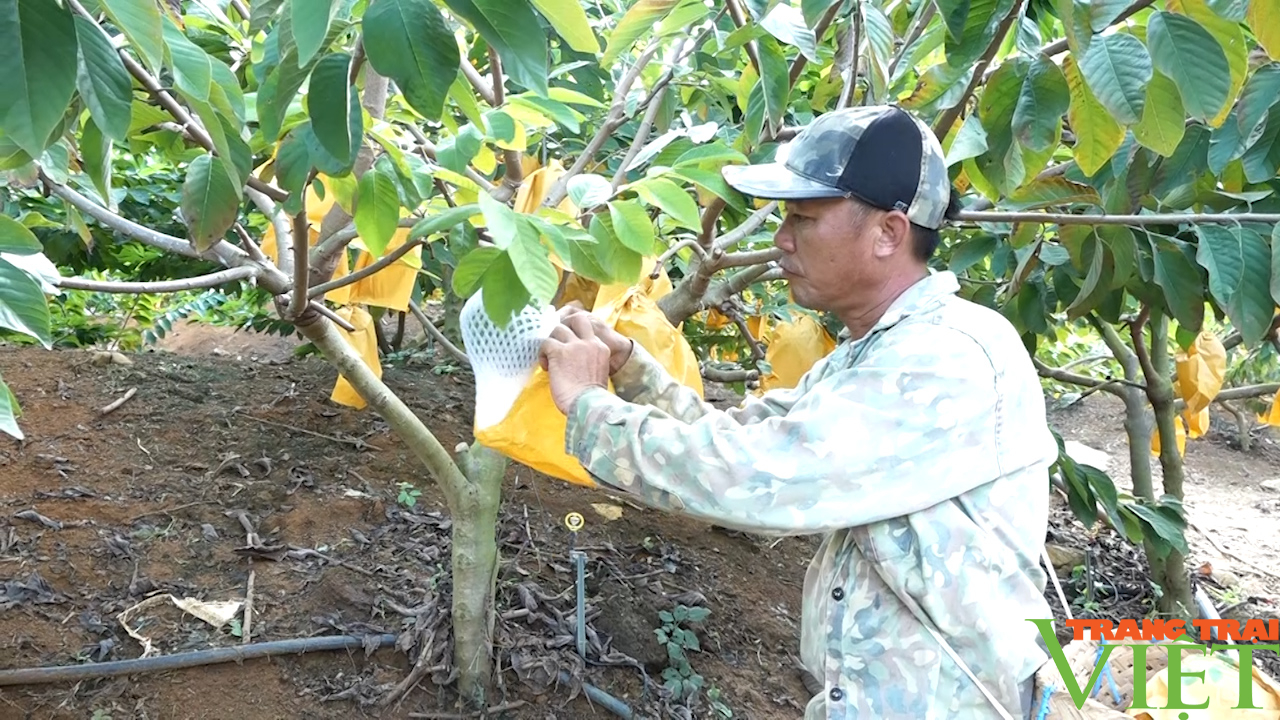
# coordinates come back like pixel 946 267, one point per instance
pixel 238 653
pixel 162 663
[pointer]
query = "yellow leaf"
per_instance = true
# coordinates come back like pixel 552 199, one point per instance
pixel 1098 135
pixel 365 342
pixel 1181 438
pixel 570 22
pixel 716 319
pixel 1229 36
pixel 1201 371
pixel 392 286
pixel 520 142
pixel 1263 17
pixel 607 511
pixel 485 161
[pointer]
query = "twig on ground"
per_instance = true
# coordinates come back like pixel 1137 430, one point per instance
pixel 166 511
pixel 360 444
pixel 513 705
pixel 247 629
pixel 117 403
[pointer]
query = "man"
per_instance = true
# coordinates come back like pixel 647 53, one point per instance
pixel 918 447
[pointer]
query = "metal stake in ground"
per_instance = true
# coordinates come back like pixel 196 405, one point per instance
pixel 575 522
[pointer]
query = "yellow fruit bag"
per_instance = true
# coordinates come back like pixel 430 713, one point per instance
pixel 793 348
pixel 1213 679
pixel 532 433
pixel 365 341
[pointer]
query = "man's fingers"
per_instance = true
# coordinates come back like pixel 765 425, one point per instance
pixel 581 324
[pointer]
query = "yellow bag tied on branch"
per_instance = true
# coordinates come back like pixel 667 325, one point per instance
pixel 392 286
pixel 793 348
pixel 1197 424
pixel 1272 417
pixel 532 433
pixel 1201 371
pixel 1181 438
pixel 365 342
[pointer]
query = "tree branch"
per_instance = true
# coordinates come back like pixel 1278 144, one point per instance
pixel 1108 386
pixel 740 20
pixel 1248 391
pixel 1134 220
pixel 477 81
pixel 729 376
pixel 1235 339
pixel 646 123
pixel 301 276
pixel 365 272
pixel 943 126
pixel 798 65
pixel 749 257
pixel 612 122
pixel 917 29
pixel 164 286
pixel 390 407
pixel 438 336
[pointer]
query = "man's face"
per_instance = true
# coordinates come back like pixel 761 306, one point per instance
pixel 830 254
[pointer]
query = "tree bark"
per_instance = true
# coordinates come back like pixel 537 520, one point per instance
pixel 1170 573
pixel 475 571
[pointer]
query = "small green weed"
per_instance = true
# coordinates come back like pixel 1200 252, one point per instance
pixel 679 675
pixel 408 494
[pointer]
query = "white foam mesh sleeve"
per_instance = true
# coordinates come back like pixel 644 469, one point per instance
pixel 502 359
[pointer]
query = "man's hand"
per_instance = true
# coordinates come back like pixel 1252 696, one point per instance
pixel 576 359
pixel 619 345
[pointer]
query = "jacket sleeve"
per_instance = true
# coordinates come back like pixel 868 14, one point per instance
pixel 912 425
pixel 643 380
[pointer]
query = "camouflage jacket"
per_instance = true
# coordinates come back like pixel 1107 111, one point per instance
pixel 921 453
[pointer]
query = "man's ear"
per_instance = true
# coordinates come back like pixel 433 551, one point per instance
pixel 894 235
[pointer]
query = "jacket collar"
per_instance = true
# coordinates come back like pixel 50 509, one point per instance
pixel 922 296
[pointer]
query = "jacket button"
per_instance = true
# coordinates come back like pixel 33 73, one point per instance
pixel 838 593
pixel 836 694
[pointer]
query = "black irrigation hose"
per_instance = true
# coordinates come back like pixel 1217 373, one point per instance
pixel 238 653
pixel 162 663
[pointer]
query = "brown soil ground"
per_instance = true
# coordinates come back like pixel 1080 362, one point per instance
pixel 98 513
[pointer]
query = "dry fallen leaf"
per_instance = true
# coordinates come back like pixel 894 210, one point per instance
pixel 607 511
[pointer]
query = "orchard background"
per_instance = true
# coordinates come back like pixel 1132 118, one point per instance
pixel 313 189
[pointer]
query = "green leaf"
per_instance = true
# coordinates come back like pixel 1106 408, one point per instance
pixel 443 221
pixel 813 10
pixel 329 104
pixel 310 25
pixel 1275 264
pixel 623 264
pixel 209 202
pixel 786 23
pixel 1098 135
pixel 512 28
pixel 774 80
pixel 1230 36
pixel 713 183
pixel 1047 192
pixel 714 153
pixel 1182 49
pixel 9 412
pixel 1162 124
pixel 1180 280
pixel 672 199
pixel 1262 159
pixel 1123 247
pixel 103 82
pixel 500 220
pixel 192 66
pixel 142 24
pixel 1239 265
pixel 377 208
pixel 471 269
pixel 410 42
pixel 504 292
pixel 638 20
pixel 981 22
pixel 1117 69
pixel 1164 527
pixel 16 239
pixel 1097 282
pixel 1185 165
pixel 23 307
pixel 1045 97
pixel 632 225
pixel 969 142
pixel 1260 93
pixel 1104 12
pixel 532 263
pixel 95 150
pixel 587 190
pixel 37 71
pixel 570 22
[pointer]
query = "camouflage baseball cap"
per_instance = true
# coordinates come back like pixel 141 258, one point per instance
pixel 882 155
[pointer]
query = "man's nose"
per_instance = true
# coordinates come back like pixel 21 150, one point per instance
pixel 783 238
